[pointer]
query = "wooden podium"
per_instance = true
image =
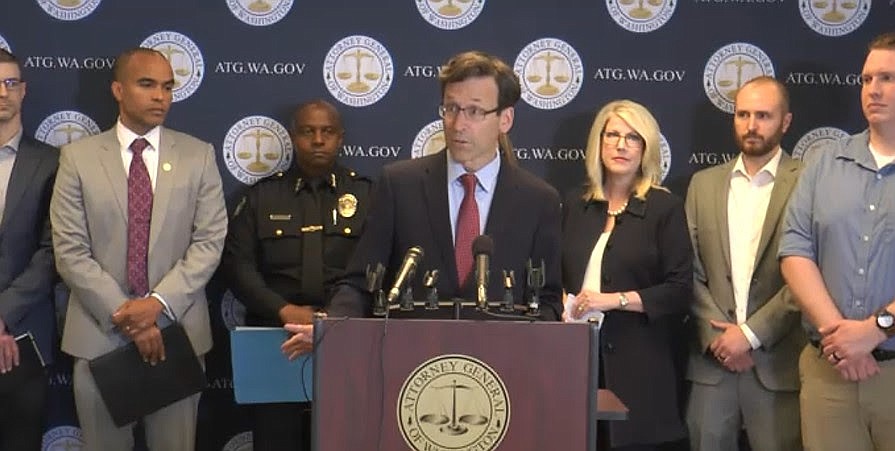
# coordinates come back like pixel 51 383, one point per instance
pixel 419 384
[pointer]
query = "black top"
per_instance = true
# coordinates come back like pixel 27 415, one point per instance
pixel 649 252
pixel 263 255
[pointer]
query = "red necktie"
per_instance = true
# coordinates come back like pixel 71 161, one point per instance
pixel 139 214
pixel 467 228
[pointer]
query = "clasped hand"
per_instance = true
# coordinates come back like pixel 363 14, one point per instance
pixel 847 345
pixel 137 319
pixel 9 350
pixel 731 348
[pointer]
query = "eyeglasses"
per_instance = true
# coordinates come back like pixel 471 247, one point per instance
pixel 472 113
pixel 12 83
pixel 632 140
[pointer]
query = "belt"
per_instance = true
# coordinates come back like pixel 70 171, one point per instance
pixel 881 355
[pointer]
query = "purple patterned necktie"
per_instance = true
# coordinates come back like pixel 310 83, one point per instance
pixel 139 214
pixel 467 228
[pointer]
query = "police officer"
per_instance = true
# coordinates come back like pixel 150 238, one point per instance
pixel 290 236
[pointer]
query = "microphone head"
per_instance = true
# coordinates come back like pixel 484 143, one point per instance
pixel 483 244
pixel 416 252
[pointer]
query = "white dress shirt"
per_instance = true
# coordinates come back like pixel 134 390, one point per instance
pixel 8 151
pixel 126 137
pixel 595 265
pixel 747 205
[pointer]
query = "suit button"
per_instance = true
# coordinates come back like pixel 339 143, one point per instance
pixel 606 279
pixel 610 348
pixel 731 313
pixel 728 277
pixel 609 245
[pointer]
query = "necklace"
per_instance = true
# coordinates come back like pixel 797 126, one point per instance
pixel 618 211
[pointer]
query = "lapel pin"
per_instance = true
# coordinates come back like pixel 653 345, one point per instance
pixel 166 167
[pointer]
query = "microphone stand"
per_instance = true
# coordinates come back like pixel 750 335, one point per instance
pixel 536 281
pixel 429 281
pixel 509 279
pixel 374 286
pixel 407 299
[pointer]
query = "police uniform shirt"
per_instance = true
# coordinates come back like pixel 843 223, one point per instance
pixel 273 229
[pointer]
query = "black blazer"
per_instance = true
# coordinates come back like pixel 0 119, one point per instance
pixel 27 270
pixel 410 208
pixel 649 252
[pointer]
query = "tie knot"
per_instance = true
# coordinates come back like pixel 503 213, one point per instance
pixel 469 181
pixel 138 146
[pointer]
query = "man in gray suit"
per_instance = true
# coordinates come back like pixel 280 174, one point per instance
pixel 744 359
pixel 138 222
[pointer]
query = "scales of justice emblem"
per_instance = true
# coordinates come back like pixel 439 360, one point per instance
pixel 453 402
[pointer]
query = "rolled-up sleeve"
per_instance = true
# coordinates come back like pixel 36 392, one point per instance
pixel 798 238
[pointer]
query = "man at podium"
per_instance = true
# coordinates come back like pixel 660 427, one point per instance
pixel 442 202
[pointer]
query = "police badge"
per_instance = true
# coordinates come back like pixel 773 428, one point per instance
pixel 347 205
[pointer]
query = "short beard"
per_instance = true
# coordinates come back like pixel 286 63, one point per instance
pixel 770 143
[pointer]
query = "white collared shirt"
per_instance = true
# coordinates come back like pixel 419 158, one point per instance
pixel 8 151
pixel 747 205
pixel 150 154
pixel 484 192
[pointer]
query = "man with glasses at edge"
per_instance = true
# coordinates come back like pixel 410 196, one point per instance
pixel 27 271
pixel 441 202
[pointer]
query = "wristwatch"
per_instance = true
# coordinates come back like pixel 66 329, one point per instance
pixel 885 321
pixel 623 301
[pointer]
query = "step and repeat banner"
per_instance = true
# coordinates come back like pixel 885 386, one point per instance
pixel 241 66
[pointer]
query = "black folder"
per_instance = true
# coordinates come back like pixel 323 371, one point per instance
pixel 132 388
pixel 31 365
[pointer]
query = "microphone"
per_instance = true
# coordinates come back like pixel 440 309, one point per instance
pixel 509 280
pixel 429 281
pixel 482 248
pixel 536 281
pixel 411 259
pixel 374 286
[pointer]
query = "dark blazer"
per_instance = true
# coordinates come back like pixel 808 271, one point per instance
pixel 410 208
pixel 27 271
pixel 648 252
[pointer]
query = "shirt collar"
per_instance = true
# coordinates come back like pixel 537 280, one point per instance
pixel 770 167
pixel 13 143
pixel 126 136
pixel 856 148
pixel 486 176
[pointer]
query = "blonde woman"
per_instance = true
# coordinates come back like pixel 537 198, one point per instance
pixel 627 253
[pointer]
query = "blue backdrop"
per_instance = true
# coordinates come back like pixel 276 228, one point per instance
pixel 242 65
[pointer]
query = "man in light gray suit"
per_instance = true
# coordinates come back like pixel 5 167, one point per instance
pixel 744 359
pixel 139 222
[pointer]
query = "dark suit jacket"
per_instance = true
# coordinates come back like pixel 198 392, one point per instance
pixel 648 252
pixel 27 271
pixel 410 208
